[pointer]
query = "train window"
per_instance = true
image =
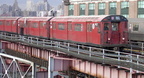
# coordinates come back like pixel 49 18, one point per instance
pixel 69 26
pixel 78 27
pixel 1 23
pixel 42 24
pixel 135 27
pixel 8 23
pixel 35 25
pixel 61 26
pixel 106 26
pixel 114 26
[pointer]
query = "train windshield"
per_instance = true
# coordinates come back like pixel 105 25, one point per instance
pixel 114 26
pixel 106 26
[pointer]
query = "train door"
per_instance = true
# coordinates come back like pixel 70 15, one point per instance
pixel 89 32
pixel 14 26
pixel 69 30
pixel 115 35
pixel 107 33
pixel 20 27
pixel 53 30
pixel 43 29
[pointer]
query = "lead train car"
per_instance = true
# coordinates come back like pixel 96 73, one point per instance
pixel 101 31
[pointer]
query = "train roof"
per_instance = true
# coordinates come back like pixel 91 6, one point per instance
pixel 35 18
pixel 98 18
pixel 136 19
pixel 9 18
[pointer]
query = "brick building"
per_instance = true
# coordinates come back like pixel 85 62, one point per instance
pixel 127 8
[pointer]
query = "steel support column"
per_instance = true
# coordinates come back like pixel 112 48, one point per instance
pixel 14 64
pixel 51 67
pixel 33 70
pixel 1 61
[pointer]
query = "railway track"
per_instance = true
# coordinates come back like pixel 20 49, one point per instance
pixel 94 54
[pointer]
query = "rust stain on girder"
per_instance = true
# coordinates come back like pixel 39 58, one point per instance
pixel 95 75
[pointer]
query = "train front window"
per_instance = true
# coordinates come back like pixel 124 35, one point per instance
pixel 114 26
pixel 106 26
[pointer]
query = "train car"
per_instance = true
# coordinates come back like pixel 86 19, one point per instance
pixel 9 24
pixel 136 29
pixel 34 26
pixel 101 31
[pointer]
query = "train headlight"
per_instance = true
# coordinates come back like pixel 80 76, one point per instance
pixel 108 38
pixel 123 38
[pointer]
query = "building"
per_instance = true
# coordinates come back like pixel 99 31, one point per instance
pixel 127 8
pixel 16 11
pixel 42 6
pixel 5 10
pixel 29 5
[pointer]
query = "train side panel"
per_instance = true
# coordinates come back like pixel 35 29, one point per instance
pixel 14 26
pixel 136 29
pixel 44 29
pixel 78 32
pixel 2 24
pixel 10 24
pixel 93 33
pixel 59 31
pixel 34 28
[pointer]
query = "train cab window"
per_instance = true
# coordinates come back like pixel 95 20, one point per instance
pixel 114 26
pixel 135 27
pixel 61 26
pixel 106 26
pixel 78 27
pixel 1 23
pixel 69 26
pixel 35 25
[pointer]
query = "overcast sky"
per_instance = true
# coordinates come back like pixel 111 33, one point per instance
pixel 22 3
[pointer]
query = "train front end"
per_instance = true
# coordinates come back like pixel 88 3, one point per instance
pixel 115 31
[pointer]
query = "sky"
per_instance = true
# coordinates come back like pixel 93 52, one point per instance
pixel 22 3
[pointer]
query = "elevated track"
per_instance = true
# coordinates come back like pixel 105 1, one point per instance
pixel 97 55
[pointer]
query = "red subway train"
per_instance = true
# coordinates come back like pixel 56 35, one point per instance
pixel 101 31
